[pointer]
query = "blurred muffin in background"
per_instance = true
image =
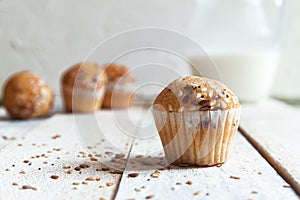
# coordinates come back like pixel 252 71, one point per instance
pixel 119 91
pixel 26 95
pixel 83 87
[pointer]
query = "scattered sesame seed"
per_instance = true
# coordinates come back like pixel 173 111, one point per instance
pixel 133 175
pixel 254 192
pixel 54 177
pixel 77 168
pixel 197 193
pixel 26 187
pixel 235 177
pixel 26 161
pixel 149 196
pixel 55 137
pixel 70 171
pixel 93 159
pixel 84 183
pixel 155 174
pixel 85 165
pixel 75 183
pixel 90 179
pixel 109 184
pixel 189 183
pixel 178 183
pixel 15 184
pixel 286 186
pixel 22 172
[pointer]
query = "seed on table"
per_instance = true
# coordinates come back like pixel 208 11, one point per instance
pixel 54 177
pixel 197 193
pixel 189 183
pixel 155 174
pixel 25 161
pixel 235 177
pixel 75 183
pixel 70 171
pixel 15 184
pixel 109 184
pixel 133 175
pixel 93 159
pixel 22 172
pixel 254 192
pixel 90 179
pixel 77 168
pixel 178 183
pixel 98 179
pixel 286 186
pixel 84 183
pixel 55 137
pixel 7 169
pixel 119 155
pixel 149 196
pixel 26 187
pixel 84 165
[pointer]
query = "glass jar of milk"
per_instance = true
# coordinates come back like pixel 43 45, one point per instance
pixel 242 39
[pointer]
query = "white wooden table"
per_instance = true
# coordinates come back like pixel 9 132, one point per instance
pixel 40 158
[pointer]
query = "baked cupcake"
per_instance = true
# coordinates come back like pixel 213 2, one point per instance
pixel 197 119
pixel 26 95
pixel 83 87
pixel 119 90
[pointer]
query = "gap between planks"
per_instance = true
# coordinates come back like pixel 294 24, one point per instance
pixel 284 173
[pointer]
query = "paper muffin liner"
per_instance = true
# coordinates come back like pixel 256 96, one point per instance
pixel 119 95
pixel 80 100
pixel 201 138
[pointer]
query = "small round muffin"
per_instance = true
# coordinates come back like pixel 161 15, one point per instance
pixel 83 87
pixel 197 119
pixel 26 95
pixel 119 90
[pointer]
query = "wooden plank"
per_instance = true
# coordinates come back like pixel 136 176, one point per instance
pixel 273 128
pixel 13 130
pixel 252 177
pixel 65 141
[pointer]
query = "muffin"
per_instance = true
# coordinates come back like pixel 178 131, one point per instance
pixel 83 87
pixel 119 90
pixel 197 119
pixel 26 95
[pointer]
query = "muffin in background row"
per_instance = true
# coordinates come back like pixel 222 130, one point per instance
pixel 83 87
pixel 26 95
pixel 197 120
pixel 119 89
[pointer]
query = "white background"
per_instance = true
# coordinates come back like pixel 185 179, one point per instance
pixel 47 36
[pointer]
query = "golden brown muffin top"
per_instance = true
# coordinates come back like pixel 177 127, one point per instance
pixel 116 71
pixel 85 75
pixel 25 93
pixel 193 93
